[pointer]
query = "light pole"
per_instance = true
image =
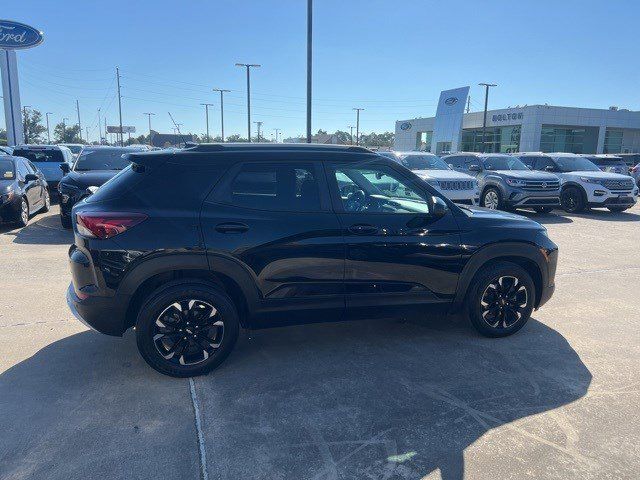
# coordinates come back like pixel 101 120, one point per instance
pixel 259 125
pixel 351 130
pixel 206 110
pixel 277 130
pixel 484 120
pixel 357 124
pixel 48 133
pixel 248 67
pixel 309 64
pixel 148 114
pixel 222 91
pixel 99 129
pixel 24 122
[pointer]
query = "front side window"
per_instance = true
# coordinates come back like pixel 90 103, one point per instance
pixel 278 187
pixel 378 189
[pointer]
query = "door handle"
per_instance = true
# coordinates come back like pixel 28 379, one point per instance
pixel 232 227
pixel 363 229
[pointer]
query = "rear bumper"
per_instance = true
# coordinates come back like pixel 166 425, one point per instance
pixel 102 314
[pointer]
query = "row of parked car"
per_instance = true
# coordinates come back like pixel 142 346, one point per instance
pixel 541 181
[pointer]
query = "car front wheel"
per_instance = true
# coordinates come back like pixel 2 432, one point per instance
pixel 187 329
pixel 46 201
pixel 23 214
pixel 492 199
pixel 501 299
pixel 572 200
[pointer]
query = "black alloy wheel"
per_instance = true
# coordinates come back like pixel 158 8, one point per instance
pixel 572 200
pixel 504 302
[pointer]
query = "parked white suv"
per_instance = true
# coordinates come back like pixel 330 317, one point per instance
pixel 456 186
pixel 583 184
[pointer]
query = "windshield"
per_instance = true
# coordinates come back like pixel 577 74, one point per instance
pixel 503 163
pixel 52 156
pixel 424 162
pixel 75 149
pixel 575 163
pixel 7 172
pixel 101 159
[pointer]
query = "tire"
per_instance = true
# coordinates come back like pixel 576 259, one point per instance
pixel 47 202
pixel 543 209
pixel 23 214
pixel 161 319
pixel 572 200
pixel 66 222
pixel 512 311
pixel 617 209
pixel 492 198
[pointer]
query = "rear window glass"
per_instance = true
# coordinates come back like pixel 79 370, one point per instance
pixel 7 171
pixel 101 159
pixel 49 156
pixel 113 188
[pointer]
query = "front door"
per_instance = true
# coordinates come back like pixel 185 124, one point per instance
pixel 274 220
pixel 399 257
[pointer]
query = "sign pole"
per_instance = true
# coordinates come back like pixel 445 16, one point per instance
pixel 11 94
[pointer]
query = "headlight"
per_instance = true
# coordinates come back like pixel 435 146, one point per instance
pixel 515 182
pixel 597 181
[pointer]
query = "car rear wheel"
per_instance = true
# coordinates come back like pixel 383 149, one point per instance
pixel 47 201
pixel 187 329
pixel 492 199
pixel 23 214
pixel 572 200
pixel 501 299
pixel 65 221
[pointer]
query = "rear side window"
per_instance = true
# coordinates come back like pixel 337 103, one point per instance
pixel 278 187
pixel 122 182
pixel 49 156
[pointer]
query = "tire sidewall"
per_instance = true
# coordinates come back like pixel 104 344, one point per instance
pixel 480 283
pixel 497 192
pixel 20 221
pixel 579 200
pixel 164 297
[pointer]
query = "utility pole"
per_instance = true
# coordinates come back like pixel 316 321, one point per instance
pixel 309 64
pixel 105 130
pixel 222 91
pixel 48 132
pixel 86 137
pixel 484 120
pixel 357 124
pixel 99 129
pixel 248 67
pixel 64 128
pixel 79 125
pixel 24 123
pixel 259 124
pixel 277 130
pixel 119 105
pixel 351 129
pixel 468 103
pixel 148 114
pixel 206 110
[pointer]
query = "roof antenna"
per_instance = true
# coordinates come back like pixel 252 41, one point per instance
pixel 177 128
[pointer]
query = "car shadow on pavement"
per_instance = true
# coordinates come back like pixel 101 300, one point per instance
pixel 545 218
pixel 383 399
pixel 606 215
pixel 40 230
pixel 87 406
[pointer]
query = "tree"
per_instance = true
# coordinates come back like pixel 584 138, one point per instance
pixel 344 138
pixel 66 133
pixel 3 136
pixel 32 125
pixel 235 138
pixel 377 139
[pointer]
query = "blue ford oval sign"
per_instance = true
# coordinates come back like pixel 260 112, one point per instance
pixel 15 36
pixel 405 126
pixel 451 101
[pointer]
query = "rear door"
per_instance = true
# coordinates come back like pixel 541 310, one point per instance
pixel 274 221
pixel 399 258
pixel 31 187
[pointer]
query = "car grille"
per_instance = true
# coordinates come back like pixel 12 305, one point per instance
pixel 541 185
pixel 456 184
pixel 618 184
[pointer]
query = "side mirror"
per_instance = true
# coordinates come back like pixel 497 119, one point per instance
pixel 64 166
pixel 30 177
pixel 474 168
pixel 440 207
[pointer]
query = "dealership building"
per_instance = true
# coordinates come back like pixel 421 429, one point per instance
pixel 531 128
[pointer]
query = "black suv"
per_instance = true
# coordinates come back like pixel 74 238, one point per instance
pixel 191 245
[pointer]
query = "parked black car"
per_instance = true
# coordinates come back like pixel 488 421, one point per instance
pixel 23 190
pixel 93 167
pixel 191 245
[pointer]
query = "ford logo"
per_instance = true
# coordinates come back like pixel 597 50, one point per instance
pixel 15 36
pixel 451 101
pixel 405 126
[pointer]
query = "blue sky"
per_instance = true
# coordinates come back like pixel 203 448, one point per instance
pixel 391 58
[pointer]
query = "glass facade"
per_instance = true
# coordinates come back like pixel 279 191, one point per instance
pixel 424 141
pixel 497 139
pixel 613 141
pixel 568 139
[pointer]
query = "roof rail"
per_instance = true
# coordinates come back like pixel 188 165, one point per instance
pixel 217 147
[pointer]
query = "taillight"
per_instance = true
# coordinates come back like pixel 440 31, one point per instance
pixel 106 224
